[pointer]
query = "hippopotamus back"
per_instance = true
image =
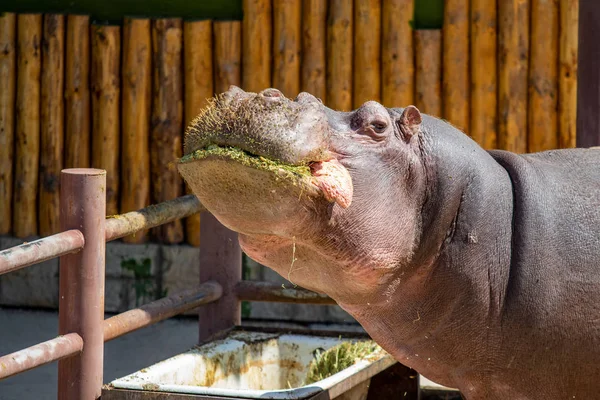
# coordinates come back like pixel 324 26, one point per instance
pixel 553 291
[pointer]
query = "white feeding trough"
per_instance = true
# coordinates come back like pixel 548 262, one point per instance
pixel 249 365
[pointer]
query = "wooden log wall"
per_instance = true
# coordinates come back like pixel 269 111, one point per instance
pixel 78 94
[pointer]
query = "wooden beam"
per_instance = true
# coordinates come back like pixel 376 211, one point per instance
pixel 588 75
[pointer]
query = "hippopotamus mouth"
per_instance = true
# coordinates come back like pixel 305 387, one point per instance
pixel 246 146
pixel 267 132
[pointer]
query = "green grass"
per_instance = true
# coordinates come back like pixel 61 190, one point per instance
pixel 338 358
pixel 247 159
pixel 113 11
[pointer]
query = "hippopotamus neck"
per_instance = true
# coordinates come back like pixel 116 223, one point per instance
pixel 462 263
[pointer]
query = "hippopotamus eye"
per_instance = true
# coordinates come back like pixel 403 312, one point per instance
pixel 378 126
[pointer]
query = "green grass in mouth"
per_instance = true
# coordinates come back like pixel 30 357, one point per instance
pixel 247 159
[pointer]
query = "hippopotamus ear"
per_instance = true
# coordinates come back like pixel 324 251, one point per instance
pixel 410 122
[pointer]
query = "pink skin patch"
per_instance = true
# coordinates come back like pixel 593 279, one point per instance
pixel 334 180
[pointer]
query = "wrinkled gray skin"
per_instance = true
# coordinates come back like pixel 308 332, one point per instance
pixel 481 270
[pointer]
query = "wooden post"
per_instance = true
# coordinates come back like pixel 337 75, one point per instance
pixel 367 51
pixel 8 78
pixel 287 44
pixel 257 47
pixel 106 87
pixel 77 92
pixel 455 62
pixel 135 119
pixel 428 75
pixel 81 300
pixel 339 55
pixel 52 126
pixel 567 78
pixel 314 46
pixel 397 54
pixel 220 261
pixel 513 49
pixel 167 120
pixel 27 131
pixel 227 54
pixel 199 86
pixel 588 74
pixel 484 33
pixel 543 77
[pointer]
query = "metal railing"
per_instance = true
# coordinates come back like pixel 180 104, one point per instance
pixel 83 330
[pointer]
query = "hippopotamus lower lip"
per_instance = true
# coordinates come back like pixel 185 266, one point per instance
pixel 330 177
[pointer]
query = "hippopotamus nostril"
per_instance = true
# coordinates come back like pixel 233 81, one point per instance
pixel 233 93
pixel 235 89
pixel 306 98
pixel 271 92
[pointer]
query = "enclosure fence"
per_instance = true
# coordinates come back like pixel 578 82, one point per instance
pixel 79 347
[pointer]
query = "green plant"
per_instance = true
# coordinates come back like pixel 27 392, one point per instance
pixel 246 306
pixel 144 283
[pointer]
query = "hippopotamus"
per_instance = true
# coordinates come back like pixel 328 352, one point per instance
pixel 479 269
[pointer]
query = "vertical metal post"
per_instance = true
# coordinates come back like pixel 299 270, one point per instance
pixel 81 303
pixel 220 261
pixel 588 74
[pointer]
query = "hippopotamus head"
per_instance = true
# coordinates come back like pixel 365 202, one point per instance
pixel 311 191
pixel 456 260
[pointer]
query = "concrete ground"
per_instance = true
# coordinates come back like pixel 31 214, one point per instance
pixel 127 354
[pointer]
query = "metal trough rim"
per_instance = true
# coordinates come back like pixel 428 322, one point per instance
pixel 336 384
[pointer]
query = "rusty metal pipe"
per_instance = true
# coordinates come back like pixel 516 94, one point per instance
pixel 119 226
pixel 159 310
pixel 40 354
pixel 40 250
pixel 220 261
pixel 272 292
pixel 81 300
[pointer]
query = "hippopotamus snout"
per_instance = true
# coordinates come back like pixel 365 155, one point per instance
pixel 264 124
pixel 267 96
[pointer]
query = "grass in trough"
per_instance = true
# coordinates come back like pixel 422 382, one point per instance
pixel 337 358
